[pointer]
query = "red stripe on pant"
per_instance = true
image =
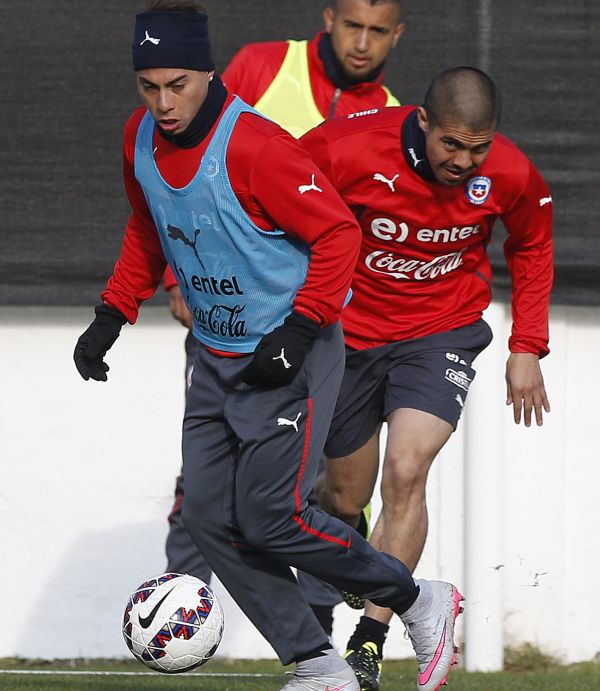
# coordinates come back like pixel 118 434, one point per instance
pixel 296 517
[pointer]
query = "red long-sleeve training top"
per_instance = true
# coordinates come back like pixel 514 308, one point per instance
pixel 423 266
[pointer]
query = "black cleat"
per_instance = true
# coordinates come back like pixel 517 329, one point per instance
pixel 353 601
pixel 366 662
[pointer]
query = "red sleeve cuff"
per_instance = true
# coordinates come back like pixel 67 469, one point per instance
pixel 522 345
pixel 169 279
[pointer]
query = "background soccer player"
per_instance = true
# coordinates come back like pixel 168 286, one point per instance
pixel 427 185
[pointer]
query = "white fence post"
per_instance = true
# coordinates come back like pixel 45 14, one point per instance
pixel 484 490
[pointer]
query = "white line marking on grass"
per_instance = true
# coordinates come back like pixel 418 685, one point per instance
pixel 134 674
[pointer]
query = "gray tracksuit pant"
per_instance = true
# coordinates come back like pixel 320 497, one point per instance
pixel 250 460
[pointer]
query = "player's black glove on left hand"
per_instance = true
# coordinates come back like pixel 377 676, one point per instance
pixel 279 354
pixel 95 341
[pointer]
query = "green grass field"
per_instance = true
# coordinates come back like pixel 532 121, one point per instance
pixel 268 675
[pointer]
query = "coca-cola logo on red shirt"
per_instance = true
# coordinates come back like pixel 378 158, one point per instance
pixel 390 264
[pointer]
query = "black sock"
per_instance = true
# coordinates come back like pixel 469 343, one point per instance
pixel 363 527
pixel 368 629
pixel 319 652
pixel 324 615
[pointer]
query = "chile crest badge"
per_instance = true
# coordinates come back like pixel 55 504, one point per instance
pixel 478 189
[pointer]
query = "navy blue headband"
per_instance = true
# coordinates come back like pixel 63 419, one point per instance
pixel 171 39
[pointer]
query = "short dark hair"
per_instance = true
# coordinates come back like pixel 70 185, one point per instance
pixel 334 3
pixel 189 6
pixel 466 95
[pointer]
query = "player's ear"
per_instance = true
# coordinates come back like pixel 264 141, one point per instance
pixel 422 119
pixel 398 31
pixel 328 19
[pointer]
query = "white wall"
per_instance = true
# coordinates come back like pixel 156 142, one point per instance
pixel 87 472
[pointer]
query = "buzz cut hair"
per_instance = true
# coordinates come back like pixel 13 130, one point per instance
pixel 335 3
pixel 464 95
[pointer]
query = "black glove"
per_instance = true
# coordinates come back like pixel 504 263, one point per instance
pixel 95 341
pixel 279 354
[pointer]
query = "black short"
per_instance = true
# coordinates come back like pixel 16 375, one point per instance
pixel 432 374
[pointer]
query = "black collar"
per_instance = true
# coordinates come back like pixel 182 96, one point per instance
pixel 204 119
pixel 335 71
pixel 413 147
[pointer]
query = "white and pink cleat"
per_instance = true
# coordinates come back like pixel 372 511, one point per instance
pixel 432 632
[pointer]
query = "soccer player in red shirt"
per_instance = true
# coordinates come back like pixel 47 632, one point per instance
pixel 301 83
pixel 264 250
pixel 426 185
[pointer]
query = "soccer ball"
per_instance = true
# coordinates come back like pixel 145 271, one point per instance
pixel 173 623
